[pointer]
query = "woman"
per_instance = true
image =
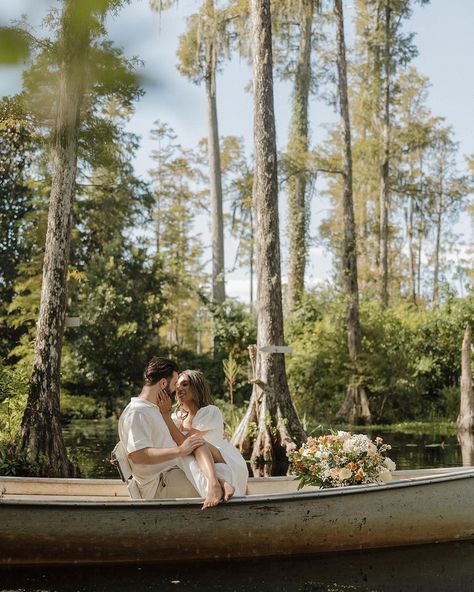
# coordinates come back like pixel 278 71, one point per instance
pixel 196 414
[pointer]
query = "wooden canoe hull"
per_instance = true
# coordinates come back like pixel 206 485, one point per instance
pixel 427 509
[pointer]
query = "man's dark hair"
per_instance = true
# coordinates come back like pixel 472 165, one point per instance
pixel 158 368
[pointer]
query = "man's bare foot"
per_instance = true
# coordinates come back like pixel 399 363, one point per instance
pixel 214 495
pixel 227 489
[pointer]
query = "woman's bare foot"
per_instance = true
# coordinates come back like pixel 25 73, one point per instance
pixel 214 495
pixel 227 489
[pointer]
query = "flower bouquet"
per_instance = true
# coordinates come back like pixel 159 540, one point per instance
pixel 342 459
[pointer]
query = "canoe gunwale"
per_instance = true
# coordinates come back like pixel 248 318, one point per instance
pixel 95 481
pixel 81 501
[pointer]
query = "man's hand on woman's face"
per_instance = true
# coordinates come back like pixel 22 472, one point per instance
pixel 163 401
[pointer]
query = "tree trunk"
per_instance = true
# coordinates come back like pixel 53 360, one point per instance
pixel 355 408
pixel 297 150
pixel 251 259
pixel 466 414
pixel 421 231
pixel 215 177
pixel 385 168
pixel 435 296
pixel 271 407
pixel 41 434
pixel 411 249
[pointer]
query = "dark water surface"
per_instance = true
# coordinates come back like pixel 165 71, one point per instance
pixel 92 441
pixel 434 568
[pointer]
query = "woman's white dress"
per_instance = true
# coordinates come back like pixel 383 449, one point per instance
pixel 209 419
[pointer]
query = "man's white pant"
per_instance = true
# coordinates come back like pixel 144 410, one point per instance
pixel 187 479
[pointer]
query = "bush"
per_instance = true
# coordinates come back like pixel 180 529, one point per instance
pixel 317 368
pixel 13 462
pixel 13 395
pixel 121 306
pixel 81 407
pixel 449 402
pixel 232 415
pixel 410 362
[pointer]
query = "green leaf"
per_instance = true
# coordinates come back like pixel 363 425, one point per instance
pixel 14 46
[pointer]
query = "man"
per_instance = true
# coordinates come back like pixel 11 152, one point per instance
pixel 153 454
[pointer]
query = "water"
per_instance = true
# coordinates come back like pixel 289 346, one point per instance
pixel 91 443
pixel 434 568
pixel 421 450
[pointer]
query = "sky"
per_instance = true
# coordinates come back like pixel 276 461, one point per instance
pixel 445 44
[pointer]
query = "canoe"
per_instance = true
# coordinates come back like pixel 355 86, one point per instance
pixel 84 521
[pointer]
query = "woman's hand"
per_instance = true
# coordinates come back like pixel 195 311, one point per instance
pixel 164 402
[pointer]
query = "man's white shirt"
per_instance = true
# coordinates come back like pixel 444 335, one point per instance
pixel 141 425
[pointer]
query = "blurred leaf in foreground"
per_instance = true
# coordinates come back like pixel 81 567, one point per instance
pixel 14 45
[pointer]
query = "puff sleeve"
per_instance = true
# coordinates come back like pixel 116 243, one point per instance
pixel 209 419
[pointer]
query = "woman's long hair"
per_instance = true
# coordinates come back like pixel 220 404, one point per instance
pixel 200 388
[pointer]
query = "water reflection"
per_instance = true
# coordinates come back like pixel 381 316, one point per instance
pixel 423 451
pixel 91 442
pixel 442 568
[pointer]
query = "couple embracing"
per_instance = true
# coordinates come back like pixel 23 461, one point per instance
pixel 184 453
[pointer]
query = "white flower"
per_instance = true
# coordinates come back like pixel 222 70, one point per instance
pixel 345 473
pixel 391 466
pixel 357 443
pixel 326 474
pixel 371 449
pixel 385 475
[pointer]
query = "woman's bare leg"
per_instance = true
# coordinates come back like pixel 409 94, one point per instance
pixel 227 488
pixel 218 489
pixel 205 460
pixel 216 454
